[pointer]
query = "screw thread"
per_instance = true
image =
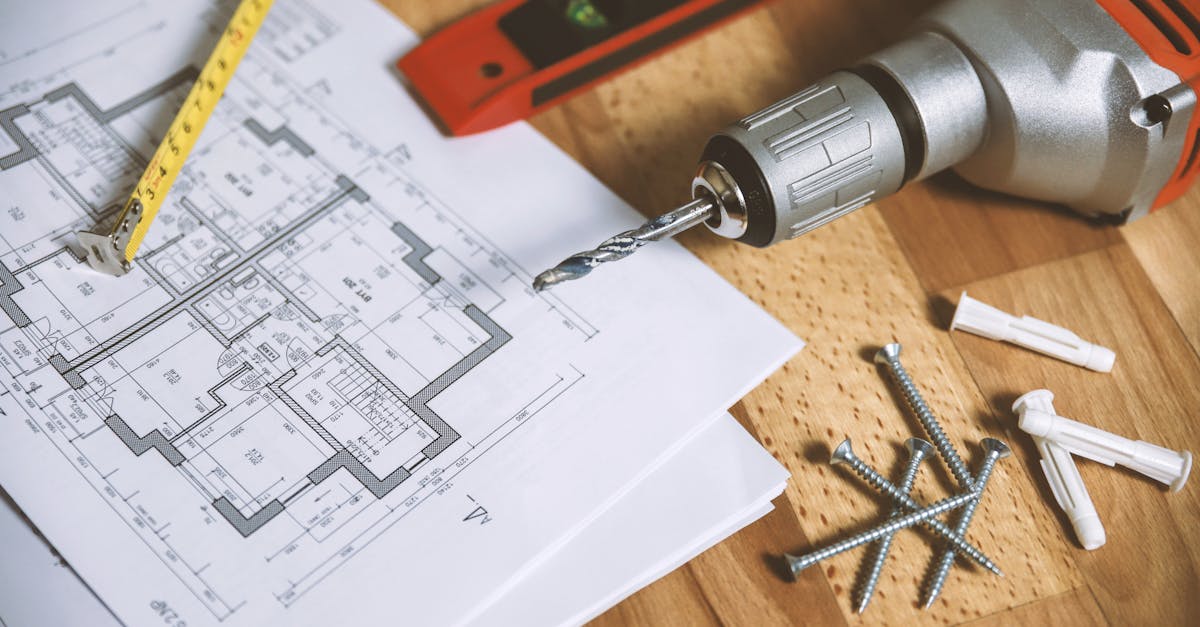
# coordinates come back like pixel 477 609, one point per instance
pixel 885 543
pixel 912 396
pixel 879 482
pixel 945 560
pixel 883 485
pixel 924 514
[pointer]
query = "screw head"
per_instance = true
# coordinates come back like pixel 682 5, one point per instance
pixel 842 454
pixel 918 447
pixel 888 353
pixel 795 564
pixel 996 447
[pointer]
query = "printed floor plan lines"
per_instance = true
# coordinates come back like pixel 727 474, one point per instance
pixel 326 392
pixel 331 405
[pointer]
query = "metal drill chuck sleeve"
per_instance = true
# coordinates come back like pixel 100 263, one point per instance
pixel 807 160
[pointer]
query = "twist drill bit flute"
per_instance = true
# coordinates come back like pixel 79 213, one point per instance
pixel 966 90
pixel 625 244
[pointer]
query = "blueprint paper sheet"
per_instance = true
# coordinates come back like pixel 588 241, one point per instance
pixel 326 394
pixel 37 588
pixel 673 515
pixel 720 482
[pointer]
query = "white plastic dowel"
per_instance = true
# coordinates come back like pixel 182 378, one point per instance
pixel 984 320
pixel 1071 494
pixel 1158 463
pixel 1065 483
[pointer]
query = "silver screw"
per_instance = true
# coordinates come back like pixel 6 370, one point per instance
pixel 918 450
pixel 995 451
pixel 889 358
pixel 924 514
pixel 844 454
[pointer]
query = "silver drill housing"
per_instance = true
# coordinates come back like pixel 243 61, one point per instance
pixel 1050 100
pixel 979 86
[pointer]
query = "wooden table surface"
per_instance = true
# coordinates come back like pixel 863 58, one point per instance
pixel 891 272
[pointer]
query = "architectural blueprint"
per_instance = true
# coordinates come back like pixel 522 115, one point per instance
pixel 678 511
pixel 326 393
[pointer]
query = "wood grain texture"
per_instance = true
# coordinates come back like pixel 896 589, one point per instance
pixel 1167 245
pixel 893 272
pixel 1146 573
pixel 1076 607
pixel 953 233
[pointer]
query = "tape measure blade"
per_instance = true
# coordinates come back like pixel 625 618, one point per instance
pixel 114 253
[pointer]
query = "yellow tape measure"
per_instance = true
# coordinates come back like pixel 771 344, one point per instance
pixel 113 252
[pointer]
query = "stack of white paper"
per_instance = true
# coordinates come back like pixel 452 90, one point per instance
pixel 718 484
pixel 326 394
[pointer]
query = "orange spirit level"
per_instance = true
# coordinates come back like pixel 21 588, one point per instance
pixel 517 57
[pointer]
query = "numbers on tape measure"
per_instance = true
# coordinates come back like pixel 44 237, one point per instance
pixel 169 157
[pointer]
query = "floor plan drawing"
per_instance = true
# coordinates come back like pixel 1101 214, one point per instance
pixel 321 379
pixel 326 388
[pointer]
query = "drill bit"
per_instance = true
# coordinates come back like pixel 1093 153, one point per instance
pixel 625 244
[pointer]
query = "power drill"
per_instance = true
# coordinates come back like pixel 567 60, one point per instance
pixel 1087 103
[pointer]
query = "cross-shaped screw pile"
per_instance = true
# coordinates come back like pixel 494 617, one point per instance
pixel 907 512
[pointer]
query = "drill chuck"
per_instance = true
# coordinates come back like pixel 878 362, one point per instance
pixel 802 162
pixel 1046 99
pixel 1090 104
